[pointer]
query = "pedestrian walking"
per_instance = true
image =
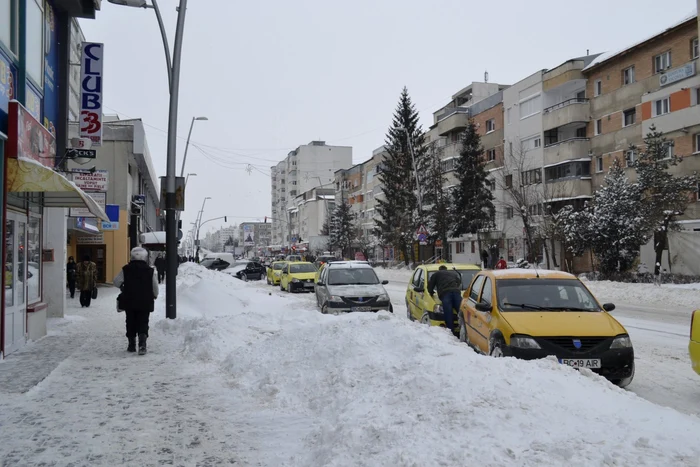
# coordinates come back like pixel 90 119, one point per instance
pixel 449 291
pixel 160 266
pixel 139 290
pixel 71 275
pixel 485 258
pixel 86 278
pixel 501 264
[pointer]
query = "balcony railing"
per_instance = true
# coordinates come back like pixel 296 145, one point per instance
pixel 575 100
pixel 548 144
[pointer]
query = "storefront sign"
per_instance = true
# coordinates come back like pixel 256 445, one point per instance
pixel 29 138
pixel 86 225
pixel 100 199
pixel 8 78
pixel 109 225
pixel 33 102
pixel 91 65
pixel 90 239
pixel 86 180
pixel 50 69
pixel 679 74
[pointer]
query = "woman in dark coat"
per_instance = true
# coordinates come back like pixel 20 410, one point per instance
pixel 70 275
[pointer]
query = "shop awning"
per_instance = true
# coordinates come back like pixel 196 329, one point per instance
pixel 28 176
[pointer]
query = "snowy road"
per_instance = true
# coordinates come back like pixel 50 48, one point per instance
pixel 659 334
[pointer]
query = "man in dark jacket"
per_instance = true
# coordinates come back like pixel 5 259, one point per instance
pixel 160 266
pixel 139 290
pixel 449 291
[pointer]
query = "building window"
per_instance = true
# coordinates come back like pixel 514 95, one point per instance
pixel 535 209
pixel 509 181
pixel 694 53
pixel 599 164
pixel 598 129
pixel 598 88
pixel 509 212
pixel 35 41
pixel 531 177
pixel 628 117
pixel 661 107
pixel 530 107
pixel 630 157
pixel 490 155
pixel 628 76
pixel 697 142
pixel 568 170
pixel 529 144
pixel 669 150
pixel 490 125
pixel 460 247
pixel 34 259
pixel 8 24
pixel 662 62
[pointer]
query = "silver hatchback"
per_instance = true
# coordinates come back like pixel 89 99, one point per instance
pixel 351 286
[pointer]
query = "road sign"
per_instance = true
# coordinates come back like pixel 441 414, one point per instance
pixel 179 235
pixel 422 234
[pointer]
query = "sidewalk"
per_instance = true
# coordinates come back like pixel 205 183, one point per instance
pixel 78 398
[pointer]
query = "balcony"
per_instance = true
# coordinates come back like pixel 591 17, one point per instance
pixel 570 111
pixel 574 148
pixel 569 188
pixel 457 120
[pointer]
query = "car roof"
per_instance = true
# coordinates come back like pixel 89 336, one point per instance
pixel 349 265
pixel 297 262
pixel 520 273
pixel 436 267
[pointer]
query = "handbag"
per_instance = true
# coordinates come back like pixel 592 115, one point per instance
pixel 120 308
pixel 94 293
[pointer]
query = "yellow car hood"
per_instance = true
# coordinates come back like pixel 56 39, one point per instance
pixel 563 323
pixel 303 275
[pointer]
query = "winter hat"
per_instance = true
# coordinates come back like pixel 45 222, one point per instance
pixel 139 254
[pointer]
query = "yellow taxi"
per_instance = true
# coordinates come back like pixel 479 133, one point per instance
pixel 298 276
pixel 694 346
pixel 420 305
pixel 274 272
pixel 529 314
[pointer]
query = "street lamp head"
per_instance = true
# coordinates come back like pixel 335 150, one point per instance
pixel 131 3
pixel 201 118
pixel 191 175
pixel 208 197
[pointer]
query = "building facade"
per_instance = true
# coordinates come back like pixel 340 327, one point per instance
pixel 255 237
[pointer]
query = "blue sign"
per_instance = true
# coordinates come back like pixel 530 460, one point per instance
pixel 51 69
pixel 33 104
pixel 112 211
pixel 8 80
pixel 110 225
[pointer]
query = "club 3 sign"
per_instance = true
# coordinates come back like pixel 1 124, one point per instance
pixel 91 66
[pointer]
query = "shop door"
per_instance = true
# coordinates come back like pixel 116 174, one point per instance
pixel 15 282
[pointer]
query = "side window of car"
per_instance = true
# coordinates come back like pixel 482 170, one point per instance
pixel 416 276
pixel 421 279
pixel 476 288
pixel 487 293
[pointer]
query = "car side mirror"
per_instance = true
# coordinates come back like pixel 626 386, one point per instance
pixel 385 282
pixel 608 306
pixel 417 289
pixel 482 306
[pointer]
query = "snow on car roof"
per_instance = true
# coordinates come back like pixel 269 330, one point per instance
pixel 349 264
pixel 436 266
pixel 521 273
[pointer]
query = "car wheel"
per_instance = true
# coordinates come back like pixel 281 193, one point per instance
pixel 281 287
pixel 408 312
pixel 391 308
pixel 623 383
pixel 496 347
pixel 425 319
pixel 324 309
pixel 244 277
pixel 267 279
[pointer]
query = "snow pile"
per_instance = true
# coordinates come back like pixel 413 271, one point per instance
pixel 668 295
pixel 376 389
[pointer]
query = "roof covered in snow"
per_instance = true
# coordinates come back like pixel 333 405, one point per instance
pixel 608 55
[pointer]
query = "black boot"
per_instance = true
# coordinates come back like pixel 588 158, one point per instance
pixel 142 344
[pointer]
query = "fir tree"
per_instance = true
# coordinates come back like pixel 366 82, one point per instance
pixel 472 207
pixel 399 214
pixel 436 200
pixel 665 197
pixel 343 227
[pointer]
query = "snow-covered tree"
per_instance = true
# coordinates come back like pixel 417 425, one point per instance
pixel 398 209
pixel 437 201
pixel 343 227
pixel 472 208
pixel 363 241
pixel 665 196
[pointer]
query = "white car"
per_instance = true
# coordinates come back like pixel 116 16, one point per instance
pixel 351 286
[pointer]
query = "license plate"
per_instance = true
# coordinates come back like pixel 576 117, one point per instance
pixel 308 284
pixel 361 308
pixel 581 362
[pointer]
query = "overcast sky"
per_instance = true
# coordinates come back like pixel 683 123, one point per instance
pixel 272 75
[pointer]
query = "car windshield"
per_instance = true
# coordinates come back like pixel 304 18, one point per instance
pixel 295 268
pixel 278 266
pixel 364 276
pixel 467 276
pixel 544 294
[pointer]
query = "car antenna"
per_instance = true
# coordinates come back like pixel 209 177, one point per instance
pixel 537 273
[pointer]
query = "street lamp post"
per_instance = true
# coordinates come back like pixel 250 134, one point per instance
pixel 174 87
pixel 187 145
pixel 199 226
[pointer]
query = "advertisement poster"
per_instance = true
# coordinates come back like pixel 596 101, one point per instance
pixel 86 180
pixel 29 138
pixel 50 70
pixel 8 78
pixel 33 102
pixel 100 199
pixel 248 235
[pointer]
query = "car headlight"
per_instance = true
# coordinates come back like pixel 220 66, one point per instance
pixel 524 342
pixel 437 309
pixel 621 342
pixel 335 298
pixel 383 297
pixel 295 280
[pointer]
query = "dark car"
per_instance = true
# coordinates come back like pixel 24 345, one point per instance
pixel 216 264
pixel 253 271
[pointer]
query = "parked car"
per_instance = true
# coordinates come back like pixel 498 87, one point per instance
pixel 217 264
pixel 694 345
pixel 296 258
pixel 529 314
pixel 351 286
pixel 274 272
pixel 298 276
pixel 420 305
pixel 253 271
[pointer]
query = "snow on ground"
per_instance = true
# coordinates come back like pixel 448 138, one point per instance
pixel 249 375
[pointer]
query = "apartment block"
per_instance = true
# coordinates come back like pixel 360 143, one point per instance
pixel 312 208
pixel 306 167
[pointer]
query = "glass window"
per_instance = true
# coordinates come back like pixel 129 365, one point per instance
pixel 6 22
pixel 34 258
pixel 598 88
pixel 629 117
pixel 487 294
pixel 21 261
pixel 9 263
pixel 694 52
pixel 661 107
pixel 628 76
pixel 599 164
pixel 662 62
pixel 35 41
pixel 598 126
pixel 530 107
pixel 476 288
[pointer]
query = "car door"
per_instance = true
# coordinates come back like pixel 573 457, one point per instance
pixel 322 290
pixel 482 319
pixel 412 300
pixel 474 292
pixel 284 276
